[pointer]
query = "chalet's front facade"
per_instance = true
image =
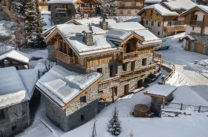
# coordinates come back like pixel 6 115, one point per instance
pixel 196 38
pixel 64 10
pixel 129 7
pixel 117 58
pixel 164 19
pixel 16 92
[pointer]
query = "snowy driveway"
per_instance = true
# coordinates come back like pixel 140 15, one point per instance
pixel 184 62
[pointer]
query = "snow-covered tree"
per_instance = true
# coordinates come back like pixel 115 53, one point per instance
pixel 29 12
pixel 114 124
pixel 108 7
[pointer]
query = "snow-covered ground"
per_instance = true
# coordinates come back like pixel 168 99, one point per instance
pixel 191 90
pixel 46 20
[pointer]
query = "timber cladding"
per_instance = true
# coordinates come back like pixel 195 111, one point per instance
pixel 199 48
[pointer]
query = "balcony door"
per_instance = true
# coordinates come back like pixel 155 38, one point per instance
pixel 126 89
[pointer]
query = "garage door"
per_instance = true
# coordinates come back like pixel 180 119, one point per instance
pixel 199 48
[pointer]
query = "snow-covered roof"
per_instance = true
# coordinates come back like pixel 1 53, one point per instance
pixel 61 1
pixel 15 55
pixel 152 1
pixel 201 7
pixel 160 90
pixel 16 87
pixel 163 11
pixel 179 4
pixel 29 78
pixel 63 85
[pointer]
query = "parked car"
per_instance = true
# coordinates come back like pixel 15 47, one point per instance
pixel 162 47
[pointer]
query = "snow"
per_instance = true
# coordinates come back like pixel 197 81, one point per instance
pixel 63 85
pixel 180 4
pixel 61 1
pixel 127 26
pixel 16 55
pixel 152 1
pixel 12 90
pixel 29 78
pixel 46 20
pixel 162 90
pixel 163 11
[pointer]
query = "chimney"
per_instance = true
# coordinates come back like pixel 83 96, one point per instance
pixel 88 38
pixel 104 24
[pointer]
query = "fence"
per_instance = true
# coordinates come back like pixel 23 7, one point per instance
pixel 171 68
pixel 181 106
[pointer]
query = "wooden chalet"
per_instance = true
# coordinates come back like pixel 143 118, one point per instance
pixel 197 29
pixel 123 55
pixel 64 10
pixel 129 7
pixel 164 19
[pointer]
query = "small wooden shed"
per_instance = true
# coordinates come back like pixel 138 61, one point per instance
pixel 160 94
pixel 14 58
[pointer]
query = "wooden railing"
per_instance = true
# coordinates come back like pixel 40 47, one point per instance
pixel 195 23
pixel 109 83
pixel 136 73
pixel 86 9
pixel 181 106
pixel 131 56
pixel 64 57
pixel 176 23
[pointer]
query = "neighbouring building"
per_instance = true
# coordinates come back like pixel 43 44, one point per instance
pixel 43 5
pixel 164 19
pixel 16 91
pixel 14 58
pixel 64 10
pixel 96 64
pixel 129 7
pixel 196 38
pixel 202 2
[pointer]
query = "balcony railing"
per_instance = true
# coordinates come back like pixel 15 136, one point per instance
pixel 176 23
pixel 136 73
pixel 86 9
pixel 195 23
pixel 109 83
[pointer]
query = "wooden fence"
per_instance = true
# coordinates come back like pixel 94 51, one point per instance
pixel 181 106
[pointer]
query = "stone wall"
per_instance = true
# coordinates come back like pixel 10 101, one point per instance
pixel 78 112
pixel 16 119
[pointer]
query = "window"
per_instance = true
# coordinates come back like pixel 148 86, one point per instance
pixel 99 70
pixel 146 22
pixel 124 66
pixel 151 13
pixel 169 23
pixel 144 62
pixel 82 117
pixel 113 70
pixel 115 90
pixel 100 91
pixel 2 115
pixel 70 51
pixel 60 46
pixel 152 23
pixel 83 99
pixel 194 17
pixel 132 65
pixel 193 28
pixel 158 33
pixel 159 24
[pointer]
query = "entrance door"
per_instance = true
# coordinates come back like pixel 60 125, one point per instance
pixel 189 45
pixel 140 83
pixel 126 89
pixel 114 93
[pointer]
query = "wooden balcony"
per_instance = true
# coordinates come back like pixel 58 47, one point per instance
pixel 175 28
pixel 131 56
pixel 65 58
pixel 115 81
pixel 196 23
pixel 86 9
pixel 137 73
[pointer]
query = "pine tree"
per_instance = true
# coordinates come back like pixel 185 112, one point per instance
pixel 114 124
pixel 29 11
pixel 108 7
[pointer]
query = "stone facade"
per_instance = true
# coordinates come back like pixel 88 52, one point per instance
pixel 75 115
pixel 15 119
